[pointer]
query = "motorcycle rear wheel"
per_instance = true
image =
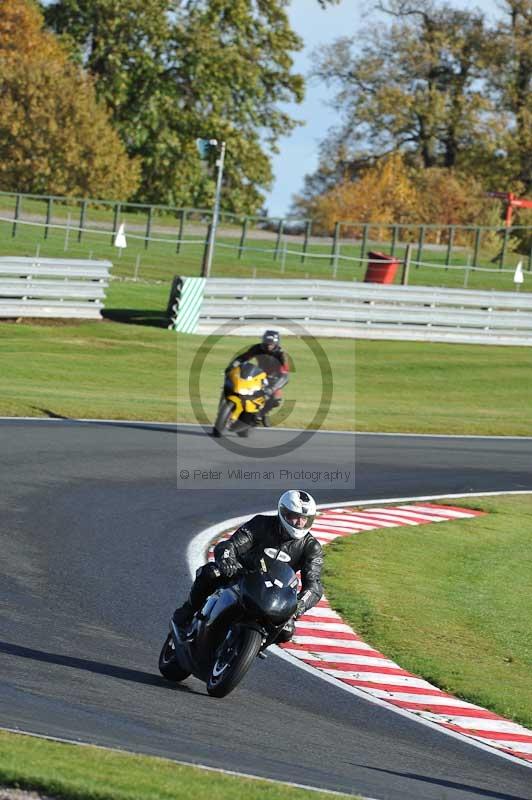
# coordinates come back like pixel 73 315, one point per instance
pixel 168 666
pixel 222 418
pixel 233 662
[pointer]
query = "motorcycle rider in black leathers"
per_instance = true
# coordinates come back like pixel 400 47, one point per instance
pixel 289 531
pixel 273 360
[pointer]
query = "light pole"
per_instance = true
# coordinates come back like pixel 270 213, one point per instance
pixel 207 259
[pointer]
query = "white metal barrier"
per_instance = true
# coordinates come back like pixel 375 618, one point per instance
pixel 53 287
pixel 363 310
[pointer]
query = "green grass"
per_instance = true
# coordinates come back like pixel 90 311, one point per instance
pixel 140 371
pixel 89 773
pixel 450 602
pixel 430 387
pixel 125 371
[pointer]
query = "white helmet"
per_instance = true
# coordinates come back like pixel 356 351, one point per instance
pixel 297 510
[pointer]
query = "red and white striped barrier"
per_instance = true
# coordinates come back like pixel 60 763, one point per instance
pixel 324 641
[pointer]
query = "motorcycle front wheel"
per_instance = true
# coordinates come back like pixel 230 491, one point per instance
pixel 222 418
pixel 168 666
pixel 234 658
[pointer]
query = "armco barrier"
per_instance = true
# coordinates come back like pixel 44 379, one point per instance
pixel 52 287
pixel 356 310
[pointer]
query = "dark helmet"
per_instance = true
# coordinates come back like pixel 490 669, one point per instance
pixel 270 341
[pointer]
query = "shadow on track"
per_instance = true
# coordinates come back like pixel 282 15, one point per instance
pixel 161 427
pixel 113 671
pixel 476 790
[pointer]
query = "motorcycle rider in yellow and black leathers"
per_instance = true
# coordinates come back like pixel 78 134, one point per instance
pixel 289 531
pixel 273 360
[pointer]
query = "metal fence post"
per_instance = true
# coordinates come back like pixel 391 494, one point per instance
pixel 334 251
pixel 182 220
pixel 363 246
pixel 504 247
pixel 449 246
pixel 206 249
pixel 211 244
pixel 394 239
pixel 420 244
pixel 406 265
pixel 278 242
pixel 148 227
pixel 335 267
pixel 467 269
pixel 48 216
pixel 67 231
pixel 115 222
pixel 18 204
pixel 82 216
pixel 308 228
pixel 476 247
pixel 242 237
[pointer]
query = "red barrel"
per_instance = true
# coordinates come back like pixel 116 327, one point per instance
pixel 381 268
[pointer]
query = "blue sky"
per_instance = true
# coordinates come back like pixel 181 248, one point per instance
pixel 299 152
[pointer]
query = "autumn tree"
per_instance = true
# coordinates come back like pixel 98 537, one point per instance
pixel 439 85
pixel 511 77
pixel 172 71
pixel 393 192
pixel 412 85
pixel 448 197
pixel 55 138
pixel 383 193
pixel 22 36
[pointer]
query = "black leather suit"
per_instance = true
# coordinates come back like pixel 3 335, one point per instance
pixel 247 544
pixel 272 362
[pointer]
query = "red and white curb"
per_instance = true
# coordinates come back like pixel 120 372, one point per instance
pixel 324 642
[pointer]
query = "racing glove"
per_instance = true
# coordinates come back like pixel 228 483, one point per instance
pixel 227 564
pixel 301 608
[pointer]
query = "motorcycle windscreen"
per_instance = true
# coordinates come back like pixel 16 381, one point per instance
pixel 249 371
pixel 270 593
pixel 250 380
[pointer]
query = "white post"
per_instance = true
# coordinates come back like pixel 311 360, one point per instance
pixel 120 239
pixel 518 276
pixel 206 271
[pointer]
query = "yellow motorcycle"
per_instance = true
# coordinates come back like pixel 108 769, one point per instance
pixel 243 398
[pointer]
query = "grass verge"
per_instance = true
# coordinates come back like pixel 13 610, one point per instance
pixel 90 773
pixel 142 371
pixel 450 601
pixel 138 371
pixel 431 387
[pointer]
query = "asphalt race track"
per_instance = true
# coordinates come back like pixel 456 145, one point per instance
pixel 93 536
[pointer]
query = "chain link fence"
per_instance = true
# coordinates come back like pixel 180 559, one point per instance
pixel 163 241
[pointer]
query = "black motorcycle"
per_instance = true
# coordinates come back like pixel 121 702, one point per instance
pixel 237 623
